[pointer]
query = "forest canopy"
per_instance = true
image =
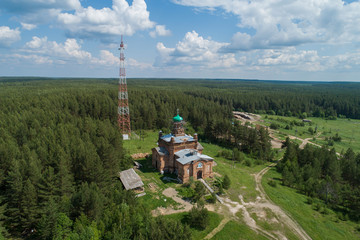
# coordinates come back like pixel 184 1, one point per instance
pixel 60 148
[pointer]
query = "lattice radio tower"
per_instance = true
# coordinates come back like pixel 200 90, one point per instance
pixel 123 107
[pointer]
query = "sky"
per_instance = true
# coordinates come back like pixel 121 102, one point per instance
pixel 310 40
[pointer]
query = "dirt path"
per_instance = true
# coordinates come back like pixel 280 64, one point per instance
pixel 218 228
pixel 264 202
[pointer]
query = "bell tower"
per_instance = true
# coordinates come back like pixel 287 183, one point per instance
pixel 178 125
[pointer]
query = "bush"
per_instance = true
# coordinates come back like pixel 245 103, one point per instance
pixel 211 198
pixel 274 126
pixel 198 217
pixel 248 162
pixel 226 182
pixel 186 192
pixel 272 183
pixel 309 200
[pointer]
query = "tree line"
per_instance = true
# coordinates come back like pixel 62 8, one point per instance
pixel 321 173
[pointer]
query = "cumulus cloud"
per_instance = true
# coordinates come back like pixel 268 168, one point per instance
pixel 67 51
pixel 287 23
pixel 42 51
pixel 28 26
pixel 194 50
pixel 160 30
pixel 122 18
pixel 31 6
pixel 8 36
pixel 38 11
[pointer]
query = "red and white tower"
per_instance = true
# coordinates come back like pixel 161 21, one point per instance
pixel 123 107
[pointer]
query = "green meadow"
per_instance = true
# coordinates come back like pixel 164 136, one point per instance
pixel 347 129
pixel 321 224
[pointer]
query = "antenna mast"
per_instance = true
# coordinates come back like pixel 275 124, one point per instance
pixel 123 106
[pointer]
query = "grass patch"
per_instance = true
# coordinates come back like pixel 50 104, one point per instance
pixel 235 230
pixel 242 182
pixel 214 220
pixel 348 130
pixel 316 224
pixel 144 145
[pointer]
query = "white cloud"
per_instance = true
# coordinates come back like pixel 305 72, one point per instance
pixel 288 23
pixel 28 26
pixel 33 58
pixel 42 51
pixel 160 30
pixel 204 55
pixel 122 18
pixel 38 11
pixel 195 50
pixel 32 6
pixel 8 36
pixel 67 51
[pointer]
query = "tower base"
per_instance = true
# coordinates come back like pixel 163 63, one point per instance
pixel 126 137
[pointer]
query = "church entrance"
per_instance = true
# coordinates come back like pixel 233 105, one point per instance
pixel 199 174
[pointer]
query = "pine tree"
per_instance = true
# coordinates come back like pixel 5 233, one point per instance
pixel 226 182
pixel 29 206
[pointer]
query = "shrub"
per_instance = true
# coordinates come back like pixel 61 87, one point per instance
pixel 198 217
pixel 226 182
pixel 309 200
pixel 272 183
pixel 274 126
pixel 248 162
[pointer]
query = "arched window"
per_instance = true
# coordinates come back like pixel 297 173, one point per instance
pixel 200 165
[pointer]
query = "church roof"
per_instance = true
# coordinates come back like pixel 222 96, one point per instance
pixel 177 118
pixel 162 151
pixel 178 139
pixel 130 179
pixel 186 156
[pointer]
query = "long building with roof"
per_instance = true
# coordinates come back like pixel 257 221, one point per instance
pixel 181 154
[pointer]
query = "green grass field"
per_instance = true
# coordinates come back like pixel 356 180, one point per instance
pixel 235 230
pixel 214 220
pixel 242 182
pixel 347 129
pixel 316 224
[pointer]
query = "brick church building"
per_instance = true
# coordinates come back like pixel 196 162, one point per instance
pixel 181 154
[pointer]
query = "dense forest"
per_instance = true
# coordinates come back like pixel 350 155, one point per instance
pixel 60 149
pixel 320 173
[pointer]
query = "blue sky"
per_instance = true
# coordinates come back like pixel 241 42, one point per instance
pixel 313 40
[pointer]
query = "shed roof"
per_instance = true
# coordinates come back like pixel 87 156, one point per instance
pixel 130 179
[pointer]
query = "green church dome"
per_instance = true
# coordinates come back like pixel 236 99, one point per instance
pixel 177 118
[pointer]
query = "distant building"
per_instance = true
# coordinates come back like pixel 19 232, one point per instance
pixel 181 154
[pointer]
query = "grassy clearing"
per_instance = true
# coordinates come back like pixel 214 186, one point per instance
pixel 214 220
pixel 348 130
pixel 234 230
pixel 144 145
pixel 317 225
pixel 242 181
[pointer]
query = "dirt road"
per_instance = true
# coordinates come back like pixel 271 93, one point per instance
pixel 264 202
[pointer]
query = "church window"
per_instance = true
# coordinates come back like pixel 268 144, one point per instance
pixel 188 170
pixel 200 165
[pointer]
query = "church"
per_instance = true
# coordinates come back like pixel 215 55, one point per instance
pixel 181 154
